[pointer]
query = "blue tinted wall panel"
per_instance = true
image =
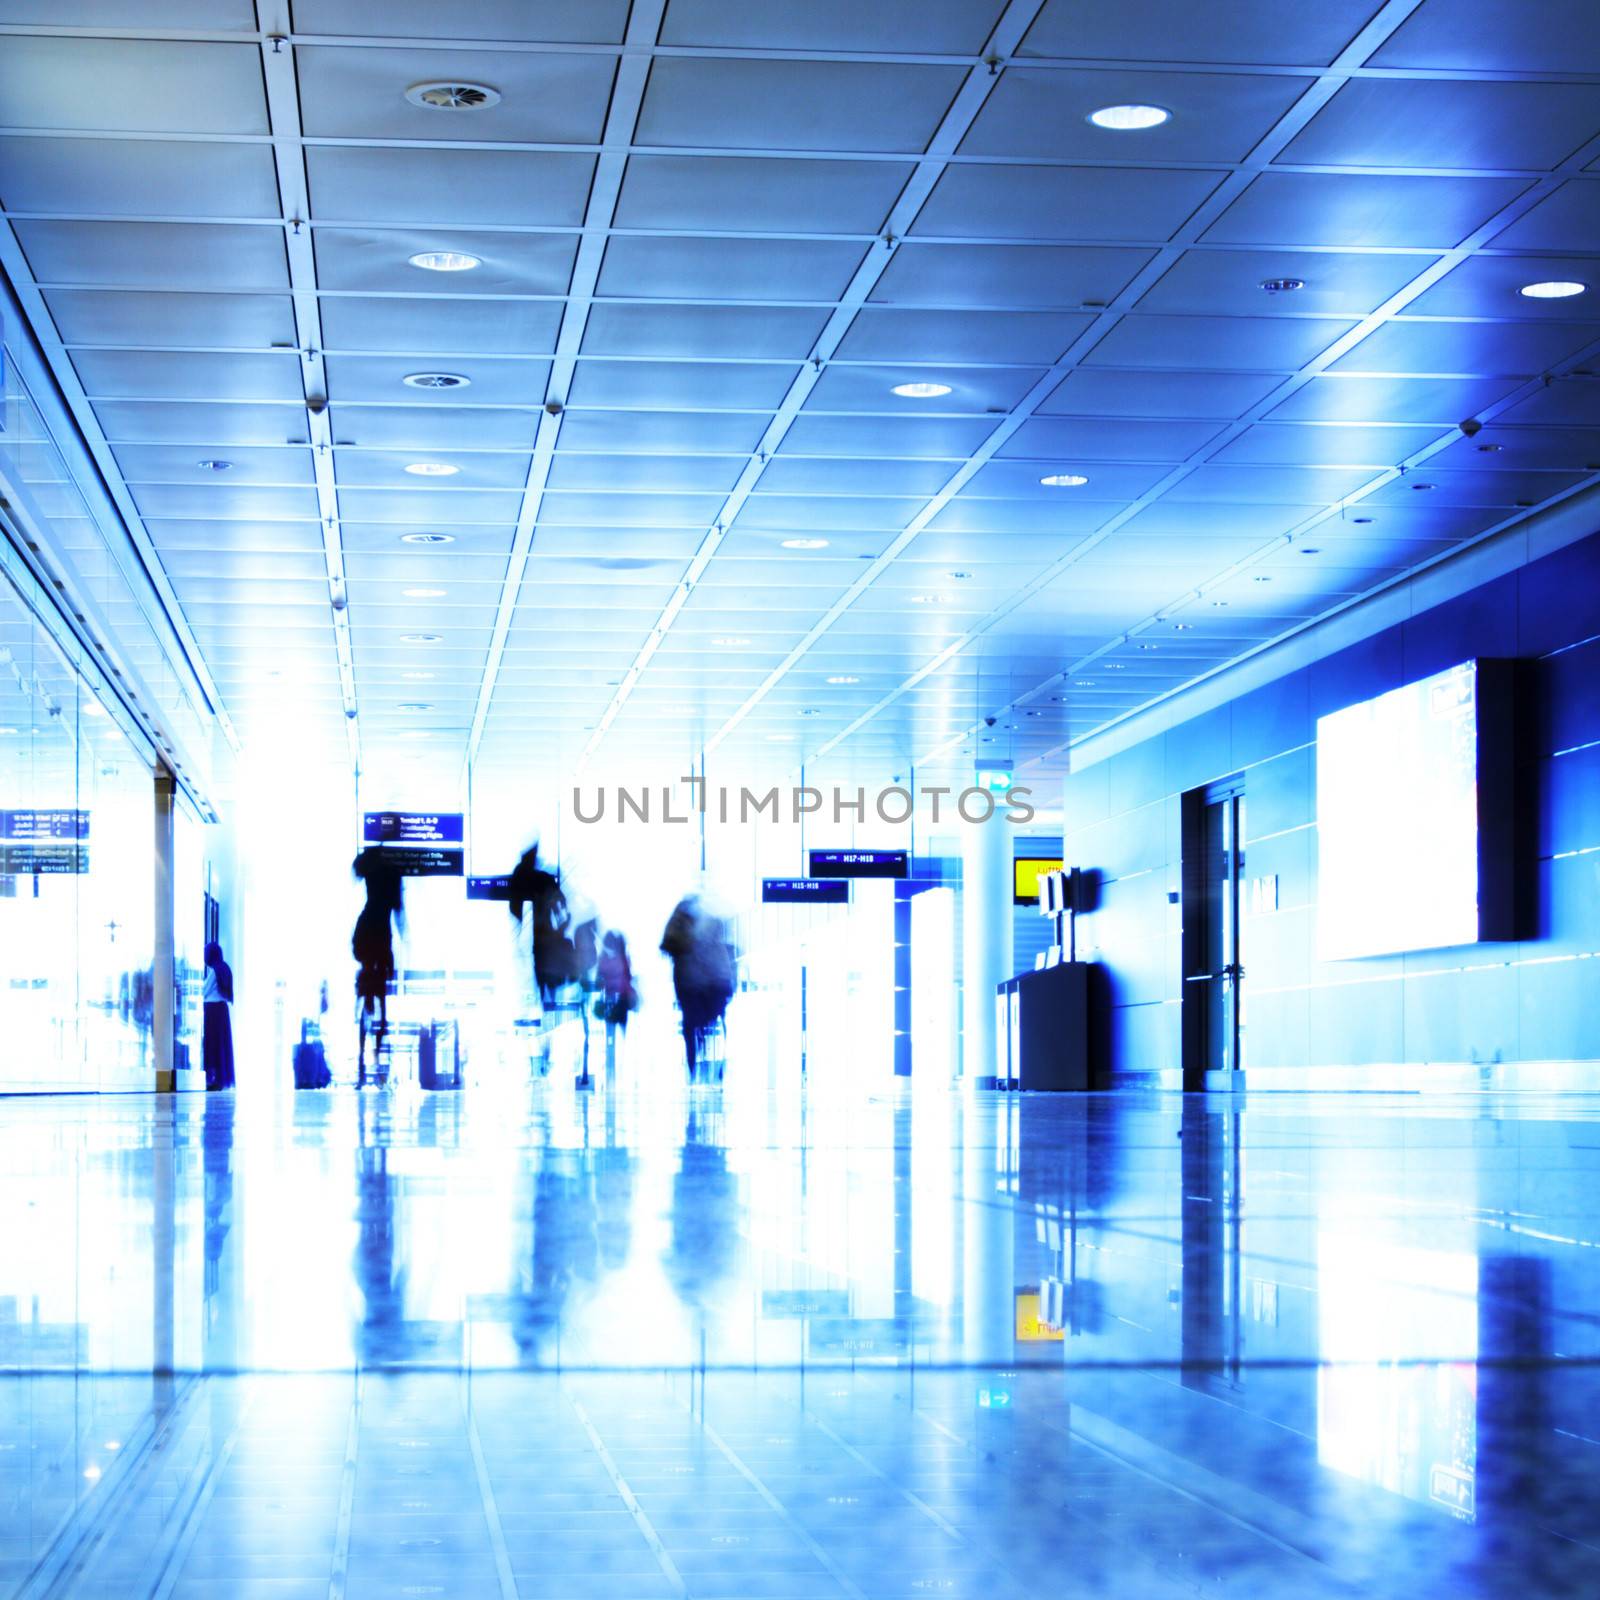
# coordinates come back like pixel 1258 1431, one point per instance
pixel 1526 1000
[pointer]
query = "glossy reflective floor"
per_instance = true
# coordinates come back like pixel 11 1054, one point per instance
pixel 774 1340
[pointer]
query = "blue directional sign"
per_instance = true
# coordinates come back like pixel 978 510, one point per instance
pixel 496 888
pixel 804 892
pixel 860 864
pixel 413 827
pixel 63 824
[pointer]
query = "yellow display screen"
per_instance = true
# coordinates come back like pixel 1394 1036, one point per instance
pixel 1026 873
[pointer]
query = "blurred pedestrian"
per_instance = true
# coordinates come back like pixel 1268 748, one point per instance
pixel 216 1048
pixel 703 968
pixel 372 944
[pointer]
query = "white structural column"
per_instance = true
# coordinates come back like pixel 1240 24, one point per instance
pixel 986 942
pixel 163 974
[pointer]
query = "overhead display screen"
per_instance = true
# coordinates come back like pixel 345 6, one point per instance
pixel 412 827
pixel 860 864
pixel 1398 811
pixel 805 891
pixel 1026 871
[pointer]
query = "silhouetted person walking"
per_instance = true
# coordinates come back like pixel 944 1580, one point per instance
pixel 216 1047
pixel 702 958
pixel 372 944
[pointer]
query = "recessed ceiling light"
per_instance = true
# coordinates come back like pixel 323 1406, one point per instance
pixel 1113 666
pixel 960 577
pixel 93 708
pixel 213 464
pixel 1490 449
pixel 843 678
pixel 927 599
pixel 1362 520
pixel 1219 603
pixel 414 705
pixel 1282 285
pixel 7 732
pixel 427 538
pixel 780 738
pixel 810 711
pixel 1263 580
pixel 445 261
pixel 731 644
pixel 436 380
pixel 1181 627
pixel 921 391
pixel 1149 647
pixel 432 469
pixel 417 677
pixel 1422 488
pixel 805 544
pixel 1083 683
pixel 1311 550
pixel 424 594
pixel 417 733
pixel 1063 480
pixel 443 94
pixel 1553 289
pixel 1129 119
pixel 421 638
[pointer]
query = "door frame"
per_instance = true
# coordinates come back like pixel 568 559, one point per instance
pixel 1198 1073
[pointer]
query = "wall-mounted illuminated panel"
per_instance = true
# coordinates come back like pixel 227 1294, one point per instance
pixel 1413 816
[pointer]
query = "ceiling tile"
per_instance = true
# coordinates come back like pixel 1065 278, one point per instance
pixel 795 104
pixel 137 177
pixel 550 22
pixel 132 85
pixel 1396 122
pixel 991 276
pixel 1343 208
pixel 155 255
pixel 1257 32
pixel 1083 204
pixel 377 261
pixel 554 98
pixel 1215 116
pixel 749 194
pixel 467 188
pixel 220 321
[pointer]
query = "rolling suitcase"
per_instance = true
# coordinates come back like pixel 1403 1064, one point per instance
pixel 310 1059
pixel 439 1056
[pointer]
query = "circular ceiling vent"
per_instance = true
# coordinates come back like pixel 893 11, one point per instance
pixel 444 95
pixel 435 380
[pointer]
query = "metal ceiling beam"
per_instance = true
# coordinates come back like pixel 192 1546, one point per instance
pixel 622 115
pixel 969 100
pixel 283 117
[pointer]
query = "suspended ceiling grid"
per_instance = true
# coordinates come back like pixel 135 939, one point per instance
pixel 716 237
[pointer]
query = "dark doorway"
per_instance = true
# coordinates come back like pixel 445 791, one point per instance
pixel 1213 965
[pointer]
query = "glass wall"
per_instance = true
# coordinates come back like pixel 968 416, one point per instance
pixel 77 921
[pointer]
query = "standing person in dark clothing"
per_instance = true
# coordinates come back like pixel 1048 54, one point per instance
pixel 703 963
pixel 618 997
pixel 217 1037
pixel 372 944
pixel 538 903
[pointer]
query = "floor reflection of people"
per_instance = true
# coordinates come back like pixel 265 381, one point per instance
pixel 220 1320
pixel 381 1282
pixel 564 1251
pixel 704 1225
